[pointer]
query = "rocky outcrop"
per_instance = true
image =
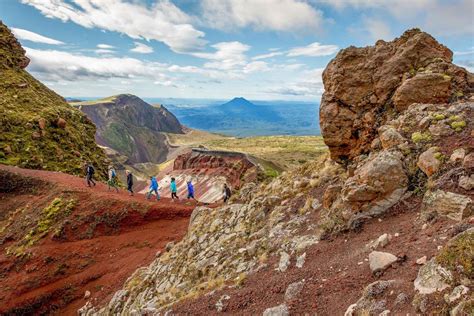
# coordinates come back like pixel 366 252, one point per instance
pixel 366 86
pixel 38 129
pixel 132 127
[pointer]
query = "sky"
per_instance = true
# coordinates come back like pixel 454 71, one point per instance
pixel 216 49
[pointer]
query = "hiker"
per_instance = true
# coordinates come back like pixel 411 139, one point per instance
pixel 191 190
pixel 90 174
pixel 226 192
pixel 112 183
pixel 153 188
pixel 129 182
pixel 174 189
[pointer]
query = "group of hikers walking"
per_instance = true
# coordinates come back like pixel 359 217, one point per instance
pixel 112 184
pixel 173 189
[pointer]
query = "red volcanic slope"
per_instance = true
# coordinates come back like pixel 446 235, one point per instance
pixel 107 236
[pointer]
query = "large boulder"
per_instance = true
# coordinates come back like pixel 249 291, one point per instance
pixel 378 183
pixel 364 86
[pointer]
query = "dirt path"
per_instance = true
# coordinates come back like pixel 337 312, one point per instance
pixel 57 274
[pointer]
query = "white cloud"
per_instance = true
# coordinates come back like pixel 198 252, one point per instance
pixel 228 56
pixel 400 8
pixel 277 15
pixel 255 66
pixel 450 18
pixel 142 48
pixel 166 83
pixel 54 65
pixel 440 17
pixel 377 29
pixel 292 67
pixel 312 50
pixel 34 37
pixel 311 85
pixel 162 21
pixel 105 46
pixel 269 55
pixel 104 51
pixel 467 52
pixel 315 49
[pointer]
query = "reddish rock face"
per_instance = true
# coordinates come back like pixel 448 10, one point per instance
pixel 235 167
pixel 364 86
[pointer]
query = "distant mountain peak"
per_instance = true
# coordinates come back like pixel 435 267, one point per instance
pixel 239 101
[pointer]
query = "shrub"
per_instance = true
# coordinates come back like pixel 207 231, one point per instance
pixel 458 125
pixel 419 137
pixel 439 116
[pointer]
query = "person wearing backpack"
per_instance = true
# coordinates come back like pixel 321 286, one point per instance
pixel 129 181
pixel 153 188
pixel 90 174
pixel 226 192
pixel 112 183
pixel 174 189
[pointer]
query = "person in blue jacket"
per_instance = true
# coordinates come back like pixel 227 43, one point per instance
pixel 174 189
pixel 153 188
pixel 191 190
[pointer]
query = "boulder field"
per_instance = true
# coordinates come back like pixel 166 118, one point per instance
pixel 383 222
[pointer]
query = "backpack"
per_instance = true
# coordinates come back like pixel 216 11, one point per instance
pixel 113 173
pixel 91 170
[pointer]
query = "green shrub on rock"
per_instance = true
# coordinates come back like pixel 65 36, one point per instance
pixel 419 137
pixel 458 126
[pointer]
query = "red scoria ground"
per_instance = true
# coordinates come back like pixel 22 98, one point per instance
pixel 335 271
pixel 58 272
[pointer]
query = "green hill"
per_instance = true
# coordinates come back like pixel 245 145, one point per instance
pixel 38 129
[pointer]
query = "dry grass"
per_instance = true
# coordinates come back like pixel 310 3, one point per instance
pixel 286 151
pixel 193 137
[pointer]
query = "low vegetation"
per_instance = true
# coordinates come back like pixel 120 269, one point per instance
pixel 38 129
pixel 285 151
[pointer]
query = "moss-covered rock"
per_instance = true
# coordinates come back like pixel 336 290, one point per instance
pixel 38 129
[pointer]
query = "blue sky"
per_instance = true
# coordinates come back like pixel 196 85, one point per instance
pixel 259 49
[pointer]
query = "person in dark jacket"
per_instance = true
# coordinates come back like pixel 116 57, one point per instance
pixel 90 174
pixel 226 192
pixel 129 182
